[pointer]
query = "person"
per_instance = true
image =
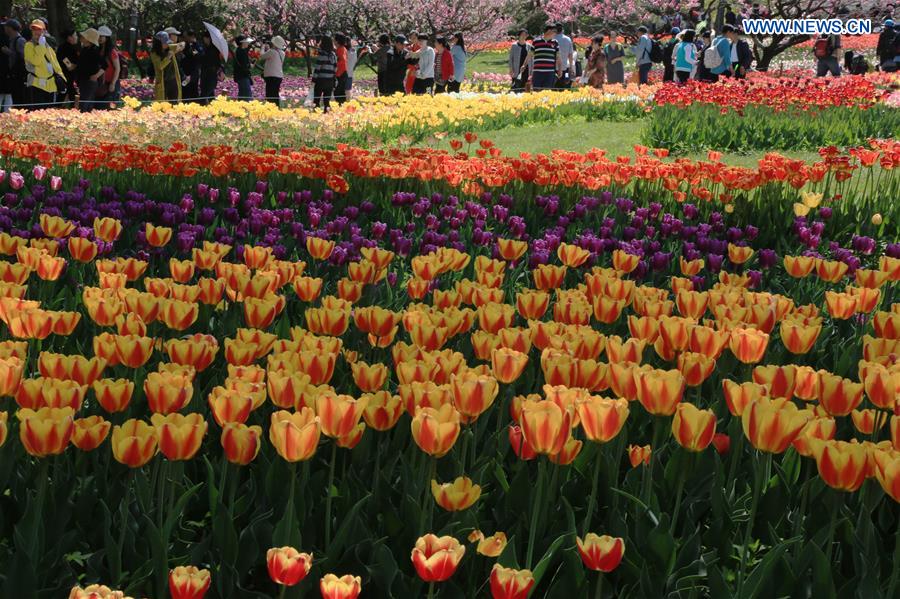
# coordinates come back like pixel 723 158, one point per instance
pixel 13 91
pixel 668 49
pixel 175 38
pixel 731 17
pixel 641 50
pixel 425 72
pixel 190 67
pixel 717 57
pixel 67 54
pixel 884 50
pixel 273 68
pixel 701 73
pixel 685 57
pixel 210 69
pixel 520 61
pixel 242 67
pixel 411 62
pixel 380 58
pixel 109 88
pixel 91 68
pixel 596 63
pixel 743 56
pixel 42 67
pixel 827 49
pixel 166 77
pixel 458 52
pixel 546 66
pixel 567 57
pixel 352 58
pixel 324 73
pixel 340 83
pixel 443 65
pixel 396 67
pixel 615 60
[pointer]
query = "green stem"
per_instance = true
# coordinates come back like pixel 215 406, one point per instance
pixel 290 504
pixel 535 511
pixel 35 538
pixel 464 450
pixel 431 590
pixel 598 590
pixel 758 477
pixel 835 512
pixel 679 492
pixel 590 506
pixel 654 458
pixel 283 592
pixel 330 496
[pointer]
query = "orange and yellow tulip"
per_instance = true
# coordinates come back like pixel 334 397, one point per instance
pixel 436 558
pixel 459 495
pixel 600 553
pixel 295 436
pixel 287 566
pixel 134 443
pixel 179 436
pixel 240 442
pixel 436 430
pixel 692 427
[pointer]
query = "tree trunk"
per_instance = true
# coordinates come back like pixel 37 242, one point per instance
pixel 58 16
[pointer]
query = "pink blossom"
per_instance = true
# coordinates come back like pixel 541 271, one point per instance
pixel 16 181
pixel 39 172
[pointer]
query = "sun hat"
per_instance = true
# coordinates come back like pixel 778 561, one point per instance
pixel 163 37
pixel 172 31
pixel 278 42
pixel 38 24
pixel 91 35
pixel 104 31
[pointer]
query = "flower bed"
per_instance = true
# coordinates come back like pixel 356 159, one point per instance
pixel 245 373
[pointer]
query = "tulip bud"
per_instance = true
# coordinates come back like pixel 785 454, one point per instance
pixel 287 566
pixel 188 582
pixel 436 558
pixel 600 553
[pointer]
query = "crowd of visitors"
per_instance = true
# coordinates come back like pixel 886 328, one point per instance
pixel 85 69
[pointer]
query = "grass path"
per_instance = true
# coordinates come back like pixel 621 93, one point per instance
pixel 578 135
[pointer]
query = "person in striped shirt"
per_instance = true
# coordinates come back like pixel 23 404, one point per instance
pixel 546 63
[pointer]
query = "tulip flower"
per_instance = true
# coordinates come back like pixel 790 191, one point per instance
pixel 659 391
pixel 695 367
pixel 867 421
pixel 157 236
pixel 473 394
pixel 295 436
pixel 179 436
pixel 748 345
pixel 96 591
pixel 436 558
pixel 739 395
pixel 11 370
pixel 816 429
pixel 520 446
pixel 459 495
pixel 882 386
pixel 799 338
pixel 89 432
pixel 600 553
pixel 4 427
pixel 188 582
pixel 287 566
pixel 382 410
pixel 837 395
pixel 638 455
pixel 841 465
pixel 602 419
pixel 771 425
pixel 436 430
pixel 338 415
pixel 167 393
pixel 509 583
pixel 491 546
pixel 45 431
pixel 345 587
pixel 240 442
pixel 722 443
pixel 546 426
pixel 134 443
pixel 692 427
pixel 507 364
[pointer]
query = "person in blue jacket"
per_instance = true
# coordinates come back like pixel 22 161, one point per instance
pixel 723 44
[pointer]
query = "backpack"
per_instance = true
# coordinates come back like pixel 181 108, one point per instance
pixel 822 48
pixel 656 52
pixel 711 57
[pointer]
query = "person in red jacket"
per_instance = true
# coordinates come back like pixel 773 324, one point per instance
pixel 341 42
pixel 443 65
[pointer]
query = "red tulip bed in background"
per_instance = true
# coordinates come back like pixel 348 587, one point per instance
pixel 415 372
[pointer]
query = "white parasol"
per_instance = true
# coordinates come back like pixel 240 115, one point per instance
pixel 218 40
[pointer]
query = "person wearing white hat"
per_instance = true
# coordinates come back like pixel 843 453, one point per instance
pixel 272 60
pixel 109 90
pixel 42 67
pixel 243 74
pixel 91 66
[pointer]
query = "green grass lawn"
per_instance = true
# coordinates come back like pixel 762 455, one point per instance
pixel 578 136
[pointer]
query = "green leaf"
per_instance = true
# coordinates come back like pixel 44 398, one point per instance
pixel 544 562
pixel 348 523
